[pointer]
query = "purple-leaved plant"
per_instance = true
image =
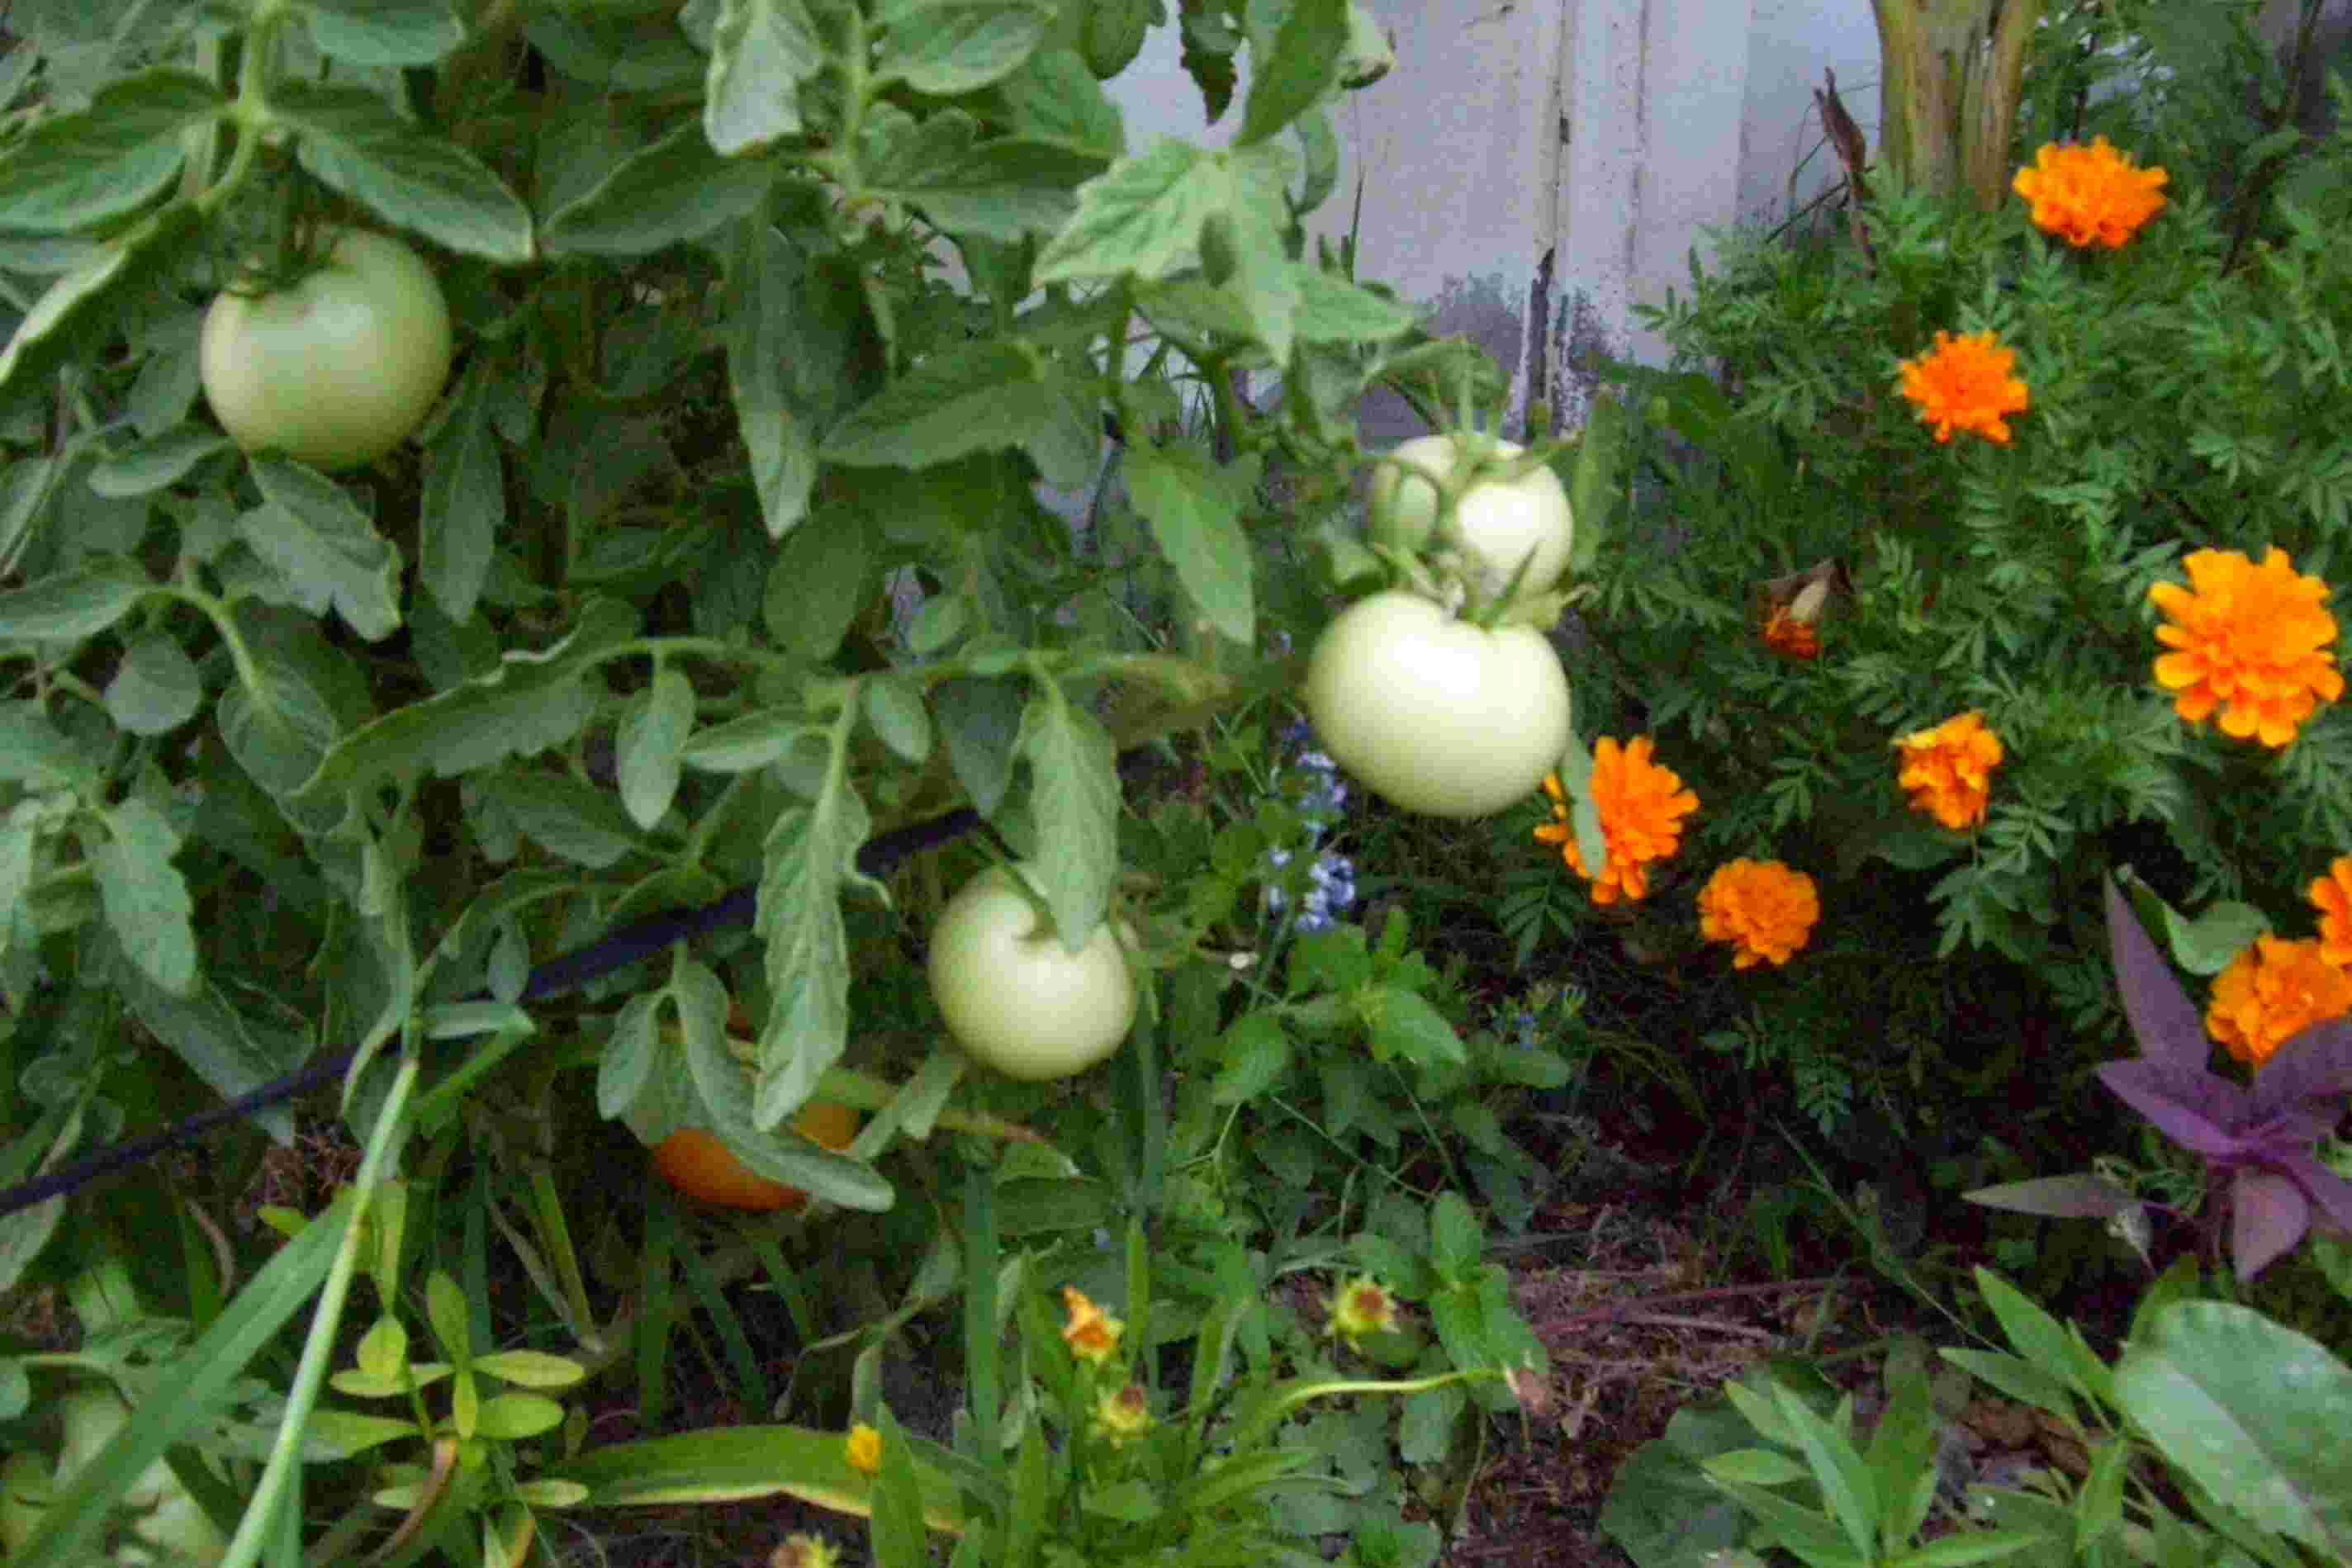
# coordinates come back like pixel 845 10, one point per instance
pixel 2256 1138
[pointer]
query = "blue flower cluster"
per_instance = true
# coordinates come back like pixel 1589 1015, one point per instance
pixel 1322 800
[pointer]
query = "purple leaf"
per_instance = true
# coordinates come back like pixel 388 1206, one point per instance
pixel 2331 1192
pixel 2148 1089
pixel 2268 1215
pixel 2170 1031
pixel 2081 1196
pixel 2315 1064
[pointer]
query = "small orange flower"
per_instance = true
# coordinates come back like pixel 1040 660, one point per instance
pixel 1761 907
pixel 2272 992
pixel 1642 806
pixel 1122 1416
pixel 1091 1335
pixel 2332 896
pixel 1360 1307
pixel 863 1449
pixel 2089 196
pixel 2249 640
pixel 1949 769
pixel 1965 383
pixel 1789 637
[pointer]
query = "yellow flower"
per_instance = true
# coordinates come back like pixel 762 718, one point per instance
pixel 1091 1335
pixel 1122 1416
pixel 2248 639
pixel 1949 769
pixel 1965 384
pixel 2272 992
pixel 1642 806
pixel 1789 637
pixel 2332 896
pixel 1362 1306
pixel 804 1552
pixel 1762 908
pixel 863 1449
pixel 2089 196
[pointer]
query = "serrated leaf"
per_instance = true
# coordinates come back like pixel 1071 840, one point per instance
pixel 763 288
pixel 752 741
pixel 1143 215
pixel 1190 506
pixel 145 898
pixel 156 464
pixel 75 171
pixel 810 855
pixel 81 304
pixel 1054 99
pixel 383 33
pixel 978 398
pixel 566 816
pixel 1300 70
pixel 1256 1052
pixel 654 728
pixel 351 142
pixel 310 532
pixel 950 46
pixel 760 52
pixel 1333 310
pixel 676 190
pixel 156 688
pixel 232 1054
pixel 819 583
pixel 1403 1023
pixel 463 504
pixel 1074 796
pixel 1002 189
pixel 68 606
pixel 981 722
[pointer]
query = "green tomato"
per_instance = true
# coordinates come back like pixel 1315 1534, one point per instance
pixel 1015 997
pixel 1435 715
pixel 171 1528
pixel 1497 524
pixel 338 369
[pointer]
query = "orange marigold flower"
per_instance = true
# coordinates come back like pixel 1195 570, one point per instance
pixel 1642 805
pixel 2272 992
pixel 863 1449
pixel 1362 1306
pixel 2332 896
pixel 1091 1333
pixel 1949 769
pixel 1789 637
pixel 2249 640
pixel 2089 196
pixel 1761 907
pixel 1965 383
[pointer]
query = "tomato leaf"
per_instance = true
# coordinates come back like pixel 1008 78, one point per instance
pixel 1301 68
pixel 309 529
pixel 893 707
pixel 998 189
pixel 820 582
pixel 156 464
pixel 654 727
pixel 67 606
pixel 1191 506
pixel 232 1053
pixel 80 305
pixel 73 172
pixel 676 190
pixel 464 502
pixel 977 398
pixel 1143 217
pixel 145 899
pixel 156 688
pixel 760 52
pixel 354 144
pixel 383 33
pixel 763 274
pixel 1054 99
pixel 981 719
pixel 1074 796
pixel 950 46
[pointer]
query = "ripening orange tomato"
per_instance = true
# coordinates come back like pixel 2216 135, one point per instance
pixel 701 1167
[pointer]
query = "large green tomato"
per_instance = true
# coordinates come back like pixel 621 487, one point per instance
pixel 338 370
pixel 1497 524
pixel 1435 715
pixel 1015 997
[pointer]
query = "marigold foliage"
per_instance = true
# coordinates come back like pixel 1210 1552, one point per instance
pixel 863 1449
pixel 1090 1332
pixel 2332 896
pixel 2248 639
pixel 1642 805
pixel 1965 383
pixel 2272 992
pixel 2090 195
pixel 1948 770
pixel 1765 911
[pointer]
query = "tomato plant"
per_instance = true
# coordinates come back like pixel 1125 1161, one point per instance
pixel 1498 522
pixel 1437 715
pixel 1014 994
pixel 697 1164
pixel 338 367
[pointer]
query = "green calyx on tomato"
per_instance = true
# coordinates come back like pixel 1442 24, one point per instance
pixel 1013 995
pixel 1499 524
pixel 337 368
pixel 1435 715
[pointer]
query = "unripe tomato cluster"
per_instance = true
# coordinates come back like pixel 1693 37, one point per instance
pixel 1437 715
